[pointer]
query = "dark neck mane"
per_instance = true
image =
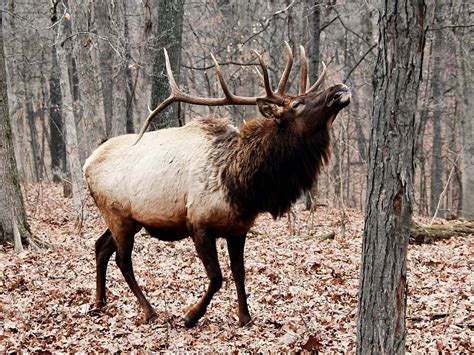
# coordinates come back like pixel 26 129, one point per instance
pixel 265 168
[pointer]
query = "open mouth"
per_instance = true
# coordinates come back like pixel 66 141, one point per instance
pixel 341 96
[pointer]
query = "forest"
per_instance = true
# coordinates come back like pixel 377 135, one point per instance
pixel 332 138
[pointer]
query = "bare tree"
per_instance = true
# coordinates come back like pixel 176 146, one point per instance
pixel 465 97
pixel 314 11
pixel 382 290
pixel 438 102
pixel 13 223
pixel 57 147
pixel 168 34
pixel 64 51
pixel 117 45
pixel 110 27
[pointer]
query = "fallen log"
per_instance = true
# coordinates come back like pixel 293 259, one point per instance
pixel 420 234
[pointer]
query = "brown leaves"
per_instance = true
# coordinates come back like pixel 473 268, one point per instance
pixel 302 291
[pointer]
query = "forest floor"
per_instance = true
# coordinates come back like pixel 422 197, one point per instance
pixel 302 289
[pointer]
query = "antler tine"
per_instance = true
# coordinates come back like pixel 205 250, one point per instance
pixel 224 86
pixel 173 97
pixel 230 98
pixel 179 96
pixel 174 87
pixel 286 72
pixel 259 74
pixel 304 71
pixel 266 79
pixel 320 79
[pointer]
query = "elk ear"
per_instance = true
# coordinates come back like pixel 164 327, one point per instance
pixel 267 109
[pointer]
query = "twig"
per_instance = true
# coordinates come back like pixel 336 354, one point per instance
pixel 358 63
pixel 61 43
pixel 441 195
pixel 16 236
pixel 450 26
pixel 323 27
pixel 267 23
pixel 28 21
pixel 347 28
pixel 248 64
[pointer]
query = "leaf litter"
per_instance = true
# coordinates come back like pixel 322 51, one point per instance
pixel 302 290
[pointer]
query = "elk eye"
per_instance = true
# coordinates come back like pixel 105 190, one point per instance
pixel 296 104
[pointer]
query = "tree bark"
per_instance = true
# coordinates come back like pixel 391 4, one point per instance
pixel 13 223
pixel 64 51
pixel 56 128
pixel 168 35
pixel 110 27
pixel 382 290
pixel 314 8
pixel 30 117
pixel 438 100
pixel 466 109
pixel 87 98
pixel 102 20
pixel 129 88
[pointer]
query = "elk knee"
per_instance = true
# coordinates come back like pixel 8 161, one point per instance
pixel 102 241
pixel 122 262
pixel 216 282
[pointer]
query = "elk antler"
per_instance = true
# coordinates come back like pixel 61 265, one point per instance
pixel 286 72
pixel 229 98
pixel 319 81
pixel 304 74
pixel 304 71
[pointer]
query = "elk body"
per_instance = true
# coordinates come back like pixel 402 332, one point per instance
pixel 209 179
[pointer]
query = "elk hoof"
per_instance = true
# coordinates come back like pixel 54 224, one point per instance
pixel 99 305
pixel 150 318
pixel 245 321
pixel 192 317
pixel 98 309
pixel 189 323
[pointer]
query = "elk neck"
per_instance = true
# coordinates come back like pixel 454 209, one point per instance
pixel 265 167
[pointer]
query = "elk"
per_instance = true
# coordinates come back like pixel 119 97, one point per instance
pixel 209 179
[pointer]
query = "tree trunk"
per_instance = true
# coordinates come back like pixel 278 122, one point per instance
pixel 30 117
pixel 438 100
pixel 109 21
pixel 13 224
pixel 314 8
pixel 87 92
pixel 64 51
pixel 168 35
pixel 102 20
pixel 382 290
pixel 57 146
pixel 129 88
pixel 466 109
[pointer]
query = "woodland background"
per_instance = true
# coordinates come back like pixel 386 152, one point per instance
pixel 82 71
pixel 114 58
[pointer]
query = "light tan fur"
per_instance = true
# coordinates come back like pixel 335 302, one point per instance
pixel 165 181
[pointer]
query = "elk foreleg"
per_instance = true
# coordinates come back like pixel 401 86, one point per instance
pixel 124 242
pixel 104 248
pixel 207 252
pixel 236 245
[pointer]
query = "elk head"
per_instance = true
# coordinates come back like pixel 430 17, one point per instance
pixel 310 110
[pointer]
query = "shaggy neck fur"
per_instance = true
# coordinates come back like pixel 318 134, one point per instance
pixel 266 167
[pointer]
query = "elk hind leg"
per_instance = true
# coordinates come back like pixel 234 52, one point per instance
pixel 104 248
pixel 236 245
pixel 207 252
pixel 124 241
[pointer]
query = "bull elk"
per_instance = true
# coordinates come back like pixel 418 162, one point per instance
pixel 209 179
